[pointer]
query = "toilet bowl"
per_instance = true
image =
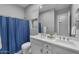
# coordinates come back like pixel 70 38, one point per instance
pixel 26 48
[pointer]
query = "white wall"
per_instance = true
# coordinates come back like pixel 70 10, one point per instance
pixel 32 11
pixel 11 10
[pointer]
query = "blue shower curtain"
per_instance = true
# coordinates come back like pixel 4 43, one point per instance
pixel 11 35
pixel 22 33
pixel 14 32
pixel 4 35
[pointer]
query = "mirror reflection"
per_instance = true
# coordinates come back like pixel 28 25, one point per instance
pixel 55 18
pixel 75 28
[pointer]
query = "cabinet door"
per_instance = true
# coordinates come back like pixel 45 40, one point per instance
pixel 62 50
pixel 36 49
pixel 46 49
pixel 37 46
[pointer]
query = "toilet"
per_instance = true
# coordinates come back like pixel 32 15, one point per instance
pixel 26 48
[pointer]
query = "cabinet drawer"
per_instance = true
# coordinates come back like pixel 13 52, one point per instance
pixel 37 42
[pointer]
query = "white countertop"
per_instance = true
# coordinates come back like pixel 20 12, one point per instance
pixel 73 44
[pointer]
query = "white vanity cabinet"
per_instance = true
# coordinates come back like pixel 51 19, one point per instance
pixel 43 47
pixel 40 47
pixel 36 46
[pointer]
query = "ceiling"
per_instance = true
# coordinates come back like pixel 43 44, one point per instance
pixel 48 6
pixel 53 6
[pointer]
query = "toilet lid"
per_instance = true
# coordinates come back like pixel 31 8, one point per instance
pixel 26 45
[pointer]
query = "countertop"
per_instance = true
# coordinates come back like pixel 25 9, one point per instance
pixel 72 44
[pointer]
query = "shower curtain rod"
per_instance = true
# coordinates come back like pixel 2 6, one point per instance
pixel 12 17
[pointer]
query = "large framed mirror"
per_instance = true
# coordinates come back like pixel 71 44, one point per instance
pixel 55 18
pixel 75 28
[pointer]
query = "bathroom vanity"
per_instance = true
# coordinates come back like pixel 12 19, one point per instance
pixel 45 45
